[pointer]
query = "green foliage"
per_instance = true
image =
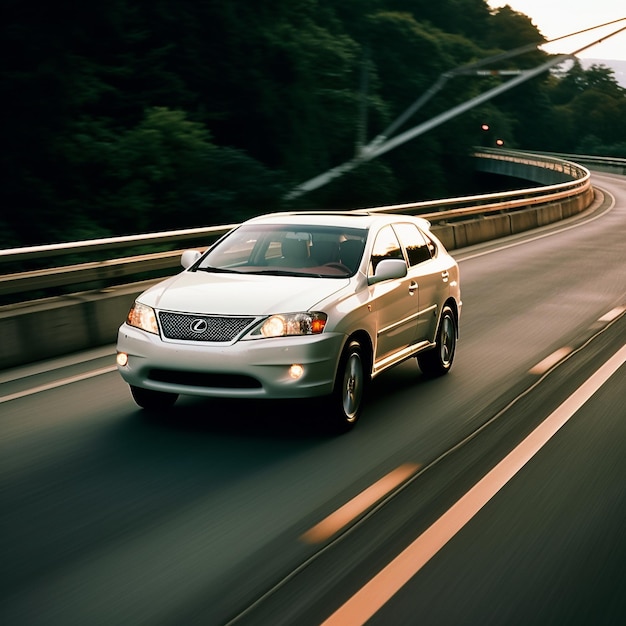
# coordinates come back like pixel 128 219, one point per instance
pixel 511 29
pixel 168 174
pixel 125 117
pixel 592 112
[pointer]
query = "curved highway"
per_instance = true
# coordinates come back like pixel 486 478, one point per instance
pixel 494 495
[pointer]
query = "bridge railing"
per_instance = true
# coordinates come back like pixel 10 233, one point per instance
pixel 21 282
pixel 615 165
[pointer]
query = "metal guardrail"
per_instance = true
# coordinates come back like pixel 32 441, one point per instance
pixel 615 164
pixel 103 271
pixel 130 268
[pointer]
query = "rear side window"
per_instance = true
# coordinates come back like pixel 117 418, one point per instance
pixel 386 246
pixel 416 245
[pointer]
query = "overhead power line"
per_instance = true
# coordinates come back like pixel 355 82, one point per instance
pixel 383 143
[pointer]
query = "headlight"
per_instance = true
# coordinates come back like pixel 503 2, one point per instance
pixel 290 324
pixel 142 316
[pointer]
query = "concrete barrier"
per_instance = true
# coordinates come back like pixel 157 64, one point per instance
pixel 54 327
pixel 549 214
pixel 485 229
pixel 447 235
pixel 524 220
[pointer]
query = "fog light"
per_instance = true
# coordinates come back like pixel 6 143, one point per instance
pixel 296 371
pixel 122 359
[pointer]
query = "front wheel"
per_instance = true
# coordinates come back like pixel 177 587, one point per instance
pixel 438 361
pixel 153 400
pixel 347 398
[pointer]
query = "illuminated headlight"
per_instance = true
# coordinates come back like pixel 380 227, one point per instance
pixel 142 316
pixel 290 324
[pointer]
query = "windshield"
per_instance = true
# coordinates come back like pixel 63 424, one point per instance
pixel 292 250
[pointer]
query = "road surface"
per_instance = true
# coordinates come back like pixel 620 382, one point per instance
pixel 245 513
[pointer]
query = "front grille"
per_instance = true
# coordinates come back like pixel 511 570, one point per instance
pixel 204 379
pixel 202 327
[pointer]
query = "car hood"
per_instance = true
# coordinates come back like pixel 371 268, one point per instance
pixel 234 294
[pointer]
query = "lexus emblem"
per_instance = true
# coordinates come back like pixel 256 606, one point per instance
pixel 198 326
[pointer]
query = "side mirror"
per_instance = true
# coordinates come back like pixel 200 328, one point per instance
pixel 189 257
pixel 388 269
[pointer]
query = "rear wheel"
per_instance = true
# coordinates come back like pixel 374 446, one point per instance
pixel 349 392
pixel 153 400
pixel 438 361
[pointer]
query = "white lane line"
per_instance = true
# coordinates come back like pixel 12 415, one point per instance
pixel 550 361
pixel 58 383
pixel 380 589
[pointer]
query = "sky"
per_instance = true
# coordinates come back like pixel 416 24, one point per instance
pixel 555 18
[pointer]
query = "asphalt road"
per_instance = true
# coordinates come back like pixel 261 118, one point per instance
pixel 244 513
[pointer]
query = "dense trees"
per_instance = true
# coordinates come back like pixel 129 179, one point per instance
pixel 124 117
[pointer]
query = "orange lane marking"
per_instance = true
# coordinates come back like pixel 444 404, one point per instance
pixel 612 314
pixel 359 504
pixel 543 366
pixel 379 590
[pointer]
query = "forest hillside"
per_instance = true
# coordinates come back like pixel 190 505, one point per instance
pixel 136 116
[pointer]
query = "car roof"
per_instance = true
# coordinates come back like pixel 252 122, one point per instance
pixel 347 219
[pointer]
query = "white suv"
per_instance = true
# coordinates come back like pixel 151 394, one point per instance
pixel 296 305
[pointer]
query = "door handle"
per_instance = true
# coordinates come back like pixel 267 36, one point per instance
pixel 413 287
pixel 445 275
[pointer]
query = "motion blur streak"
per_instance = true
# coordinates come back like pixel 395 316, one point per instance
pixel 371 597
pixel 57 383
pixel 349 511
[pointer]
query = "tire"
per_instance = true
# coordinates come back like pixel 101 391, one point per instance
pixel 346 402
pixel 438 360
pixel 153 400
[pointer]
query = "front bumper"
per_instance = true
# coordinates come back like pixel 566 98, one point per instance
pixel 245 369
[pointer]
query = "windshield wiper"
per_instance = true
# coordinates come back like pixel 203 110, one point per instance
pixel 278 272
pixel 217 270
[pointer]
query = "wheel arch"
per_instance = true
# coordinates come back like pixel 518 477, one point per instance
pixel 453 304
pixel 367 348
